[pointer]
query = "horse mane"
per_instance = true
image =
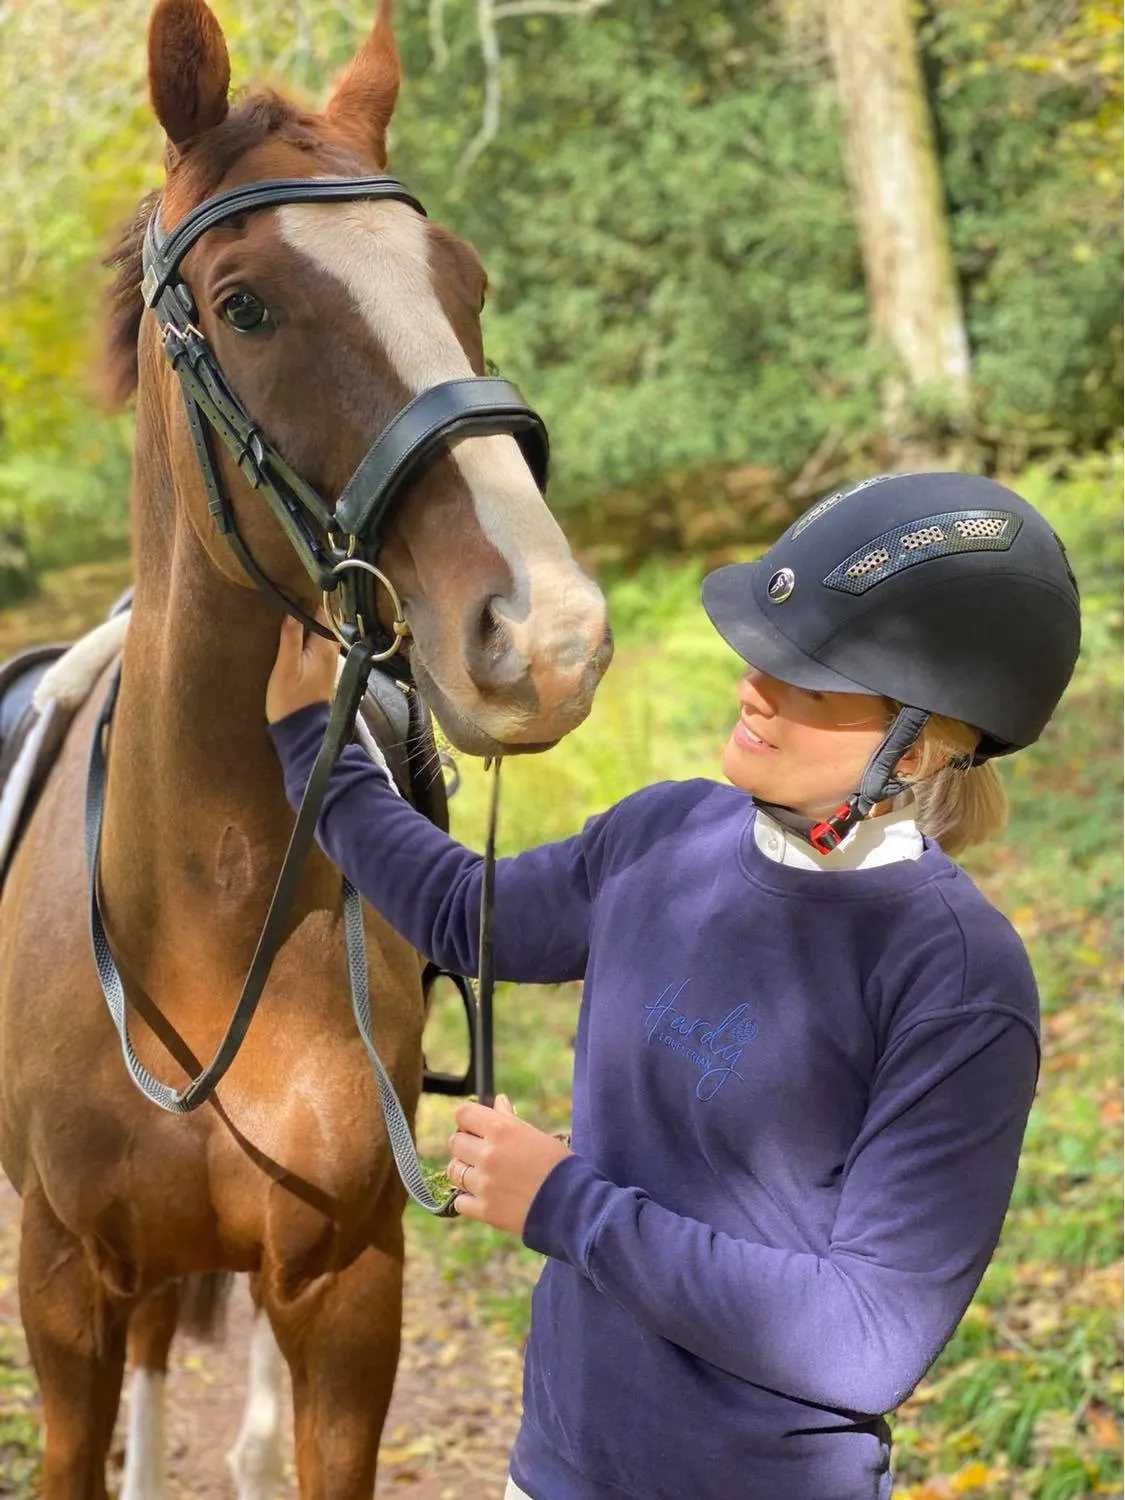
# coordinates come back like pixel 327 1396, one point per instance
pixel 251 121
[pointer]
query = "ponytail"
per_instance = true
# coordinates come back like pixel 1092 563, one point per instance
pixel 956 803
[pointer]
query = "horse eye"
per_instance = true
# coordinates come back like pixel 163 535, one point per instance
pixel 244 312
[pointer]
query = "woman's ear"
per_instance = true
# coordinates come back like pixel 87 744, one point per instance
pixel 909 764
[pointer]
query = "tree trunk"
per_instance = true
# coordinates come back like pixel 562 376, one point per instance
pixel 892 164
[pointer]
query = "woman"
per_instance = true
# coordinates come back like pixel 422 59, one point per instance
pixel 807 1046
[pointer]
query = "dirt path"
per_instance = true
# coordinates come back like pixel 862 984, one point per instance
pixel 456 1401
pixel 451 1421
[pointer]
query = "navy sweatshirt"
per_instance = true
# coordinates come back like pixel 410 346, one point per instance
pixel 798 1108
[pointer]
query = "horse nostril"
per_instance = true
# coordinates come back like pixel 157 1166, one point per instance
pixel 604 654
pixel 493 662
pixel 491 634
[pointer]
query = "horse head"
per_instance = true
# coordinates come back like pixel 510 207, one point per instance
pixel 326 319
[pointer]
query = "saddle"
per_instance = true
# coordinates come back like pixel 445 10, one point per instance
pixel 31 736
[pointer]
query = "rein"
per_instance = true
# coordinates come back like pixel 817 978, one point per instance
pixel 338 547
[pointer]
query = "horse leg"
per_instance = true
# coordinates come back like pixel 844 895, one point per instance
pixel 151 1329
pixel 340 1339
pixel 76 1334
pixel 255 1460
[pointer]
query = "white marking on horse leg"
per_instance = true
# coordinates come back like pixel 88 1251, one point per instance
pixel 144 1445
pixel 255 1460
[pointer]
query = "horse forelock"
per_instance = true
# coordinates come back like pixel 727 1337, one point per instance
pixel 254 120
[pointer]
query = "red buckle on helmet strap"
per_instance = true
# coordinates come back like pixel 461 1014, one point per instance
pixel 827 835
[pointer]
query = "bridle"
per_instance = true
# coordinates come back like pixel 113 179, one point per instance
pixel 337 545
pixel 339 548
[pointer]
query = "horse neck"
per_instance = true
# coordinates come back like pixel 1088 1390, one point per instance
pixel 196 821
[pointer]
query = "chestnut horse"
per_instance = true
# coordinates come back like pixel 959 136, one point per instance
pixel 286 1172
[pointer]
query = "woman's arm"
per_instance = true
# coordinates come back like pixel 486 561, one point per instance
pixel 426 884
pixel 924 1196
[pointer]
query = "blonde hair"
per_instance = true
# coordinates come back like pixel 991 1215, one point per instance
pixel 956 803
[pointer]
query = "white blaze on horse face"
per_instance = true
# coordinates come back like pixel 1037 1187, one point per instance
pixel 379 250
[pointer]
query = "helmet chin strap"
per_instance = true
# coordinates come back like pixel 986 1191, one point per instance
pixel 877 783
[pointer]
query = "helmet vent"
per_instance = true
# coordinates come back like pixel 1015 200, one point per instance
pixel 924 538
pixel 920 540
pixel 816 512
pixel 870 563
pixel 981 526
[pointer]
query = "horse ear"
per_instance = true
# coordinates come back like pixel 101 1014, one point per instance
pixel 188 69
pixel 364 97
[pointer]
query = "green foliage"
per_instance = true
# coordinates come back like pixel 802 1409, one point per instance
pixel 676 275
pixel 69 503
pixel 79 151
pixel 662 226
pixel 1023 1403
pixel 1027 101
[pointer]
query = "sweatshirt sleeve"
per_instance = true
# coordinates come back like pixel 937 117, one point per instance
pixel 923 1199
pixel 426 884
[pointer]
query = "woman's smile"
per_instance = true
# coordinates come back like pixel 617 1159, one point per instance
pixel 746 739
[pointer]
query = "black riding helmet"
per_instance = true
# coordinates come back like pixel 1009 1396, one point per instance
pixel 946 592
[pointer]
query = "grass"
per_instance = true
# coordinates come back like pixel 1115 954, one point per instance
pixel 1024 1402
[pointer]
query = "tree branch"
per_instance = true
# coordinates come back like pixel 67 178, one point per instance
pixel 489 14
pixel 490 113
pixel 439 47
pixel 512 8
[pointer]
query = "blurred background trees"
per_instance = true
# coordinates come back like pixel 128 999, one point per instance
pixel 702 271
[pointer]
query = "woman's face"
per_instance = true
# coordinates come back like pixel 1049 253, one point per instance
pixel 801 749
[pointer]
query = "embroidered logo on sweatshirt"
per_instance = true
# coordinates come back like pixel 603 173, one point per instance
pixel 714 1047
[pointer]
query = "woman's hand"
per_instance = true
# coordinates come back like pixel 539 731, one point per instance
pixel 499 1163
pixel 304 672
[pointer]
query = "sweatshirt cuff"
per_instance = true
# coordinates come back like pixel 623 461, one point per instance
pixel 567 1211
pixel 297 739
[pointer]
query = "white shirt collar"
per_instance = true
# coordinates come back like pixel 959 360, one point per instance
pixel 875 841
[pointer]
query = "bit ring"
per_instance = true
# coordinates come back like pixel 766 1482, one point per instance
pixel 399 627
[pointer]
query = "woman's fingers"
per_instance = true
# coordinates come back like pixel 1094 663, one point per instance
pixel 304 671
pixel 467 1148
